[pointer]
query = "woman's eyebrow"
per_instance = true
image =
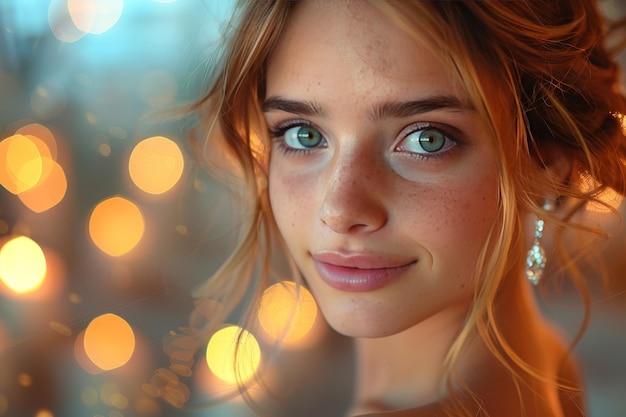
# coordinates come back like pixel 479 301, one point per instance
pixel 401 109
pixel 384 110
pixel 306 108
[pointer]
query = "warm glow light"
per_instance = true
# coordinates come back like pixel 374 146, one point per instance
pixel 258 146
pixel 233 354
pixel 29 169
pixel 116 226
pixel 22 265
pixel 20 163
pixel 45 135
pixel 609 197
pixel 48 192
pixel 109 341
pixel 622 120
pixel 81 356
pixel 156 164
pixel 45 153
pixel 61 23
pixel 44 413
pixel 607 200
pixel 287 313
pixel 54 280
pixel 95 16
pixel 167 385
pixel 25 380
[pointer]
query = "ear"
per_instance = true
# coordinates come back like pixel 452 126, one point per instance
pixel 557 161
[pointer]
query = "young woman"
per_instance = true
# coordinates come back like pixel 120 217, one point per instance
pixel 407 156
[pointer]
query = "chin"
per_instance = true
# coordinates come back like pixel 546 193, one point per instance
pixel 357 325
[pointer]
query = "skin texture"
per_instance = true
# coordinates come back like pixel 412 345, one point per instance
pixel 366 196
pixel 362 193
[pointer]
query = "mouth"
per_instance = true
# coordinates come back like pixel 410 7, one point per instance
pixel 360 272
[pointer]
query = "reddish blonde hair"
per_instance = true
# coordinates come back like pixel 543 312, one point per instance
pixel 538 72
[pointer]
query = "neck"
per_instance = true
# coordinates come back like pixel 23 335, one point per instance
pixel 405 369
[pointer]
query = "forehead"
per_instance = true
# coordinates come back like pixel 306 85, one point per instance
pixel 353 39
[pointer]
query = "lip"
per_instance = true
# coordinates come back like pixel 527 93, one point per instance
pixel 359 272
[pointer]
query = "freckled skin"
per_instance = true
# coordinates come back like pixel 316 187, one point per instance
pixel 361 194
pixel 367 191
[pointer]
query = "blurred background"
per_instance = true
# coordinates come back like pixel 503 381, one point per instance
pixel 107 225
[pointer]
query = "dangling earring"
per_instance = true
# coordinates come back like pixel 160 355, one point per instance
pixel 536 257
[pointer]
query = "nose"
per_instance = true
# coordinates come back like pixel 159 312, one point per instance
pixel 354 196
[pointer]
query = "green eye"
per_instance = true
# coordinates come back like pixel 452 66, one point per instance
pixel 427 141
pixel 303 137
pixel 431 140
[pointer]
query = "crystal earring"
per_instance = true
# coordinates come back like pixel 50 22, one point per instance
pixel 536 257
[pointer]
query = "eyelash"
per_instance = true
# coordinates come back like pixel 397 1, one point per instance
pixel 421 126
pixel 278 136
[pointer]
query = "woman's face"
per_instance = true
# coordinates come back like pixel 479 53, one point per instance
pixel 383 179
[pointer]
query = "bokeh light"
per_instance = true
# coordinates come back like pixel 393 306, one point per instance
pixel 61 24
pixel 81 356
pixel 111 395
pixel 48 99
pixel 44 134
pixel 116 226
pixel 20 163
pixel 95 16
pixel 287 312
pixel 109 341
pixel 28 168
pixel 156 164
pixel 25 380
pixel 166 384
pixel 61 328
pixel 233 354
pixel 22 264
pixel 49 191
pixel 54 282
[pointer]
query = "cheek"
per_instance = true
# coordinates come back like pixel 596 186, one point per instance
pixel 458 218
pixel 289 205
pixel 279 200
